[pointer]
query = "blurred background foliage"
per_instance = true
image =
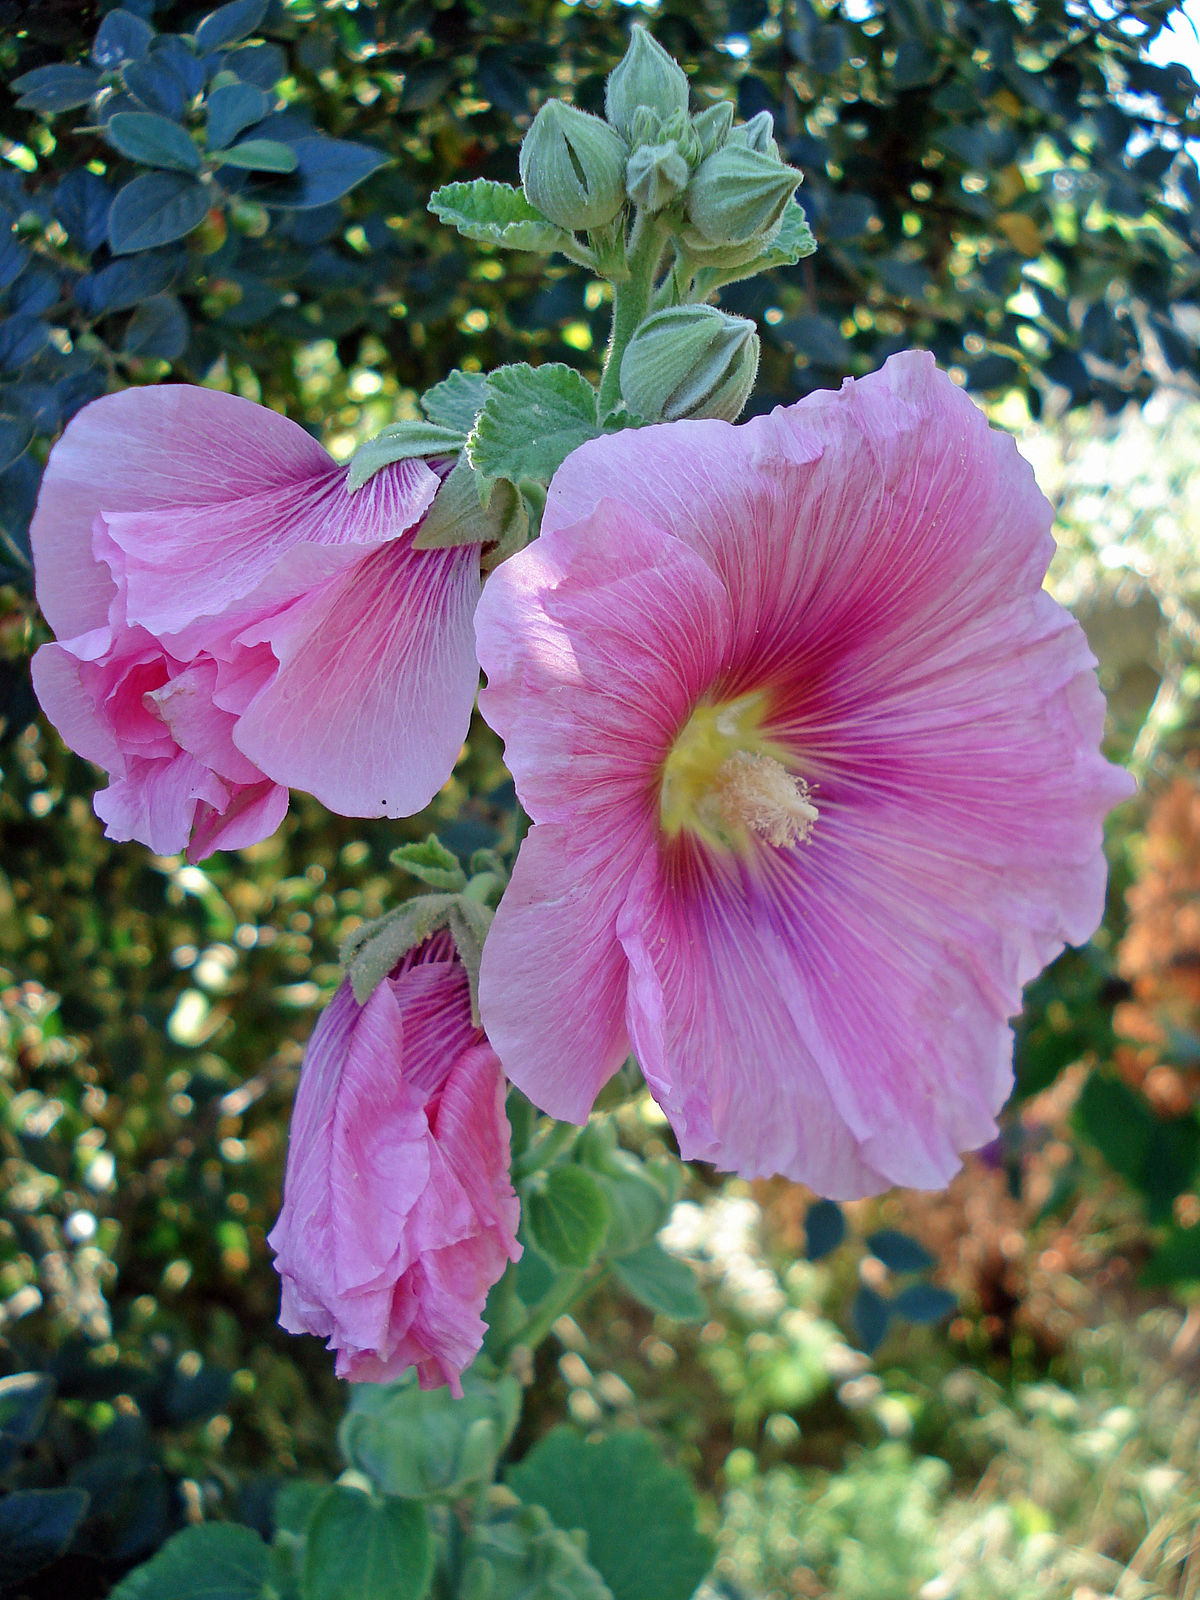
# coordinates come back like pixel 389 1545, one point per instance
pixel 1003 1402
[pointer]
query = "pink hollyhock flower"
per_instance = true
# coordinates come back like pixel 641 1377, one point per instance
pixel 398 1212
pixel 813 765
pixel 231 621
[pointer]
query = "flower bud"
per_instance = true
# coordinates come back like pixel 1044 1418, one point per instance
pixel 712 126
pixel 757 134
pixel 738 193
pixel 573 167
pixel 656 175
pixel 646 127
pixel 690 361
pixel 678 130
pixel 645 76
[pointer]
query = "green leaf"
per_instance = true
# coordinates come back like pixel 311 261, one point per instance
pixel 214 1561
pixel 371 951
pixel 924 1302
pixel 36 1526
pixel 259 155
pixel 824 1228
pixel 154 209
pixel 227 24
pixel 456 516
pixel 326 169
pixel 457 400
pixel 1119 1123
pixel 1177 1259
pixel 403 441
pixel 158 328
pixel 870 1314
pixel 295 1504
pixel 639 1514
pixel 899 1252
pixel 792 243
pixel 55 88
pixel 662 1282
pixel 232 108
pixel 417 1443
pixel 531 421
pixel 566 1216
pixel 637 1205
pixel 24 1401
pixel 432 863
pixel 496 213
pixel 363 1548
pixel 516 1553
pixel 153 140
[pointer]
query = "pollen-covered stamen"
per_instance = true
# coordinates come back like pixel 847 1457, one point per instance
pixel 755 791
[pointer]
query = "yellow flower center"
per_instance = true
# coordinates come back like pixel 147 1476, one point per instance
pixel 723 779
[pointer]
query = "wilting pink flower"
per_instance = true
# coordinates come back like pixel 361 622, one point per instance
pixel 231 621
pixel 813 764
pixel 398 1212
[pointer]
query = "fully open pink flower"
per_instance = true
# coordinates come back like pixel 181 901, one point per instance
pixel 398 1212
pixel 231 621
pixel 813 764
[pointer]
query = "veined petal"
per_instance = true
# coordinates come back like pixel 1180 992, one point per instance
pixel 376 681
pixel 254 554
pixel 151 449
pixel 589 673
pixel 882 818
pixel 552 984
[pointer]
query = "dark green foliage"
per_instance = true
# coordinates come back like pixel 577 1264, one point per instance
pixel 639 1515
pixel 954 154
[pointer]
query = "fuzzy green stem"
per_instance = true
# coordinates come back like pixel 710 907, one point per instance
pixel 631 302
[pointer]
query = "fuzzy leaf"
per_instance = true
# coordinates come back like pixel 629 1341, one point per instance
pixel 567 1216
pixel 403 441
pixel 639 1514
pixel 456 516
pixel 362 1548
pixel 430 861
pixel 213 1561
pixel 496 213
pixel 662 1282
pixel 531 421
pixel 457 400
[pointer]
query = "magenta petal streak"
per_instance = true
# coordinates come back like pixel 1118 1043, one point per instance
pixel 862 571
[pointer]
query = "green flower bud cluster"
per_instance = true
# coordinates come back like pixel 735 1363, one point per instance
pixel 720 189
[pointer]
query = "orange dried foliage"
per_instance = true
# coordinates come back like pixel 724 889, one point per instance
pixel 1160 954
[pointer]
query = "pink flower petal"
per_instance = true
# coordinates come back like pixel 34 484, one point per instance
pixel 256 553
pixel 156 801
pixel 376 682
pixel 149 449
pixel 398 1214
pixel 835 1009
pixel 552 983
pixel 590 676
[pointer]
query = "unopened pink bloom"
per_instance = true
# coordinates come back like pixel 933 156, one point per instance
pixel 813 762
pixel 232 622
pixel 398 1211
